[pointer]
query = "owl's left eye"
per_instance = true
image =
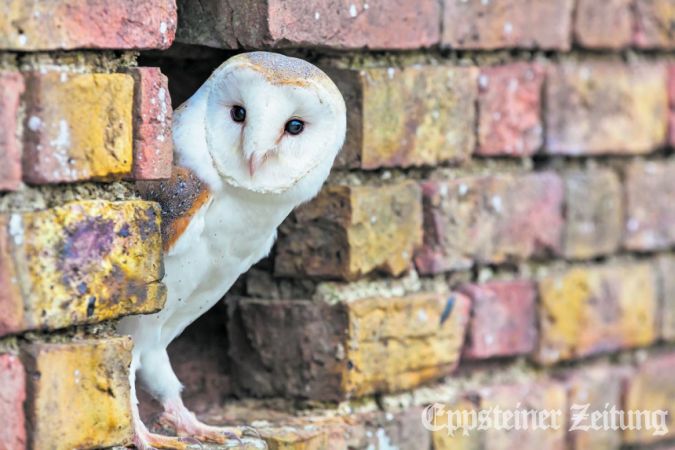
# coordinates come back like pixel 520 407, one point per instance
pixel 238 113
pixel 294 126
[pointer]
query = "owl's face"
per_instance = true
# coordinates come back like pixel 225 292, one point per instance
pixel 271 120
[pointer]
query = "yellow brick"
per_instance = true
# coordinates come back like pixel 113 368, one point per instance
pixel 83 262
pixel 79 394
pixel 420 115
pixel 587 310
pixel 398 343
pixel 79 127
pixel 444 438
pixel 349 231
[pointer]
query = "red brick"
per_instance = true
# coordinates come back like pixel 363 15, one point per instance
pixel 153 144
pixel 347 232
pixel 653 24
pixel 652 389
pixel 600 387
pixel 603 24
pixel 509 105
pixel 603 107
pixel 376 24
pixel 503 319
pixel 493 24
pixel 11 88
pixel 649 193
pixel 593 213
pixel 12 397
pixel 587 310
pixel 414 116
pixel 490 219
pixel 29 25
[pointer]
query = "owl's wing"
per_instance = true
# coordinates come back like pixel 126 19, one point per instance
pixel 181 199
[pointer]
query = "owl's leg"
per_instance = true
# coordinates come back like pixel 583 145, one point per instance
pixel 157 374
pixel 143 438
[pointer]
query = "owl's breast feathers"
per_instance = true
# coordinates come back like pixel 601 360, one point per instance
pixel 180 197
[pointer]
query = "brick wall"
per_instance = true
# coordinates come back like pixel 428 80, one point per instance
pixel 499 228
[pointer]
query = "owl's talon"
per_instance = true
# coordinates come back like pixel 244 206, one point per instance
pixel 250 432
pixel 185 423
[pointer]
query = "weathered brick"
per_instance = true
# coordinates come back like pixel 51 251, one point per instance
pixel 535 394
pixel 332 351
pixel 599 387
pixel 503 319
pixel 666 273
pixel 509 106
pixel 417 115
pixel 78 127
pixel 649 190
pixel 652 389
pixel 326 428
pixel 11 88
pixel 78 393
pixel 653 24
pixel 346 232
pixel 83 262
pixel 489 219
pixel 593 213
pixel 601 107
pixel 587 310
pixel 376 24
pixel 606 24
pixel 487 25
pixel 443 437
pixel 671 104
pixel 35 25
pixel 399 430
pixel 153 144
pixel 12 397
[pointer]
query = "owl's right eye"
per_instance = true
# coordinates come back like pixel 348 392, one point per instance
pixel 238 113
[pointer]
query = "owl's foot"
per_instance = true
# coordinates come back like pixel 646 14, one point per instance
pixel 145 440
pixel 186 424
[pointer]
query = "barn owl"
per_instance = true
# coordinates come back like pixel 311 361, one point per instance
pixel 257 139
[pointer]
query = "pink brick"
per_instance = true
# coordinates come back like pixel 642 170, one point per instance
pixel 509 104
pixel 490 219
pixel 69 24
pixel 11 88
pixel 596 386
pixel 650 216
pixel 488 25
pixel 12 397
pixel 530 394
pixel 503 321
pixel 671 105
pixel 153 145
pixel 603 24
pixel 344 24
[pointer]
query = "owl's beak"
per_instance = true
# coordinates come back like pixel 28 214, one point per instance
pixel 254 163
